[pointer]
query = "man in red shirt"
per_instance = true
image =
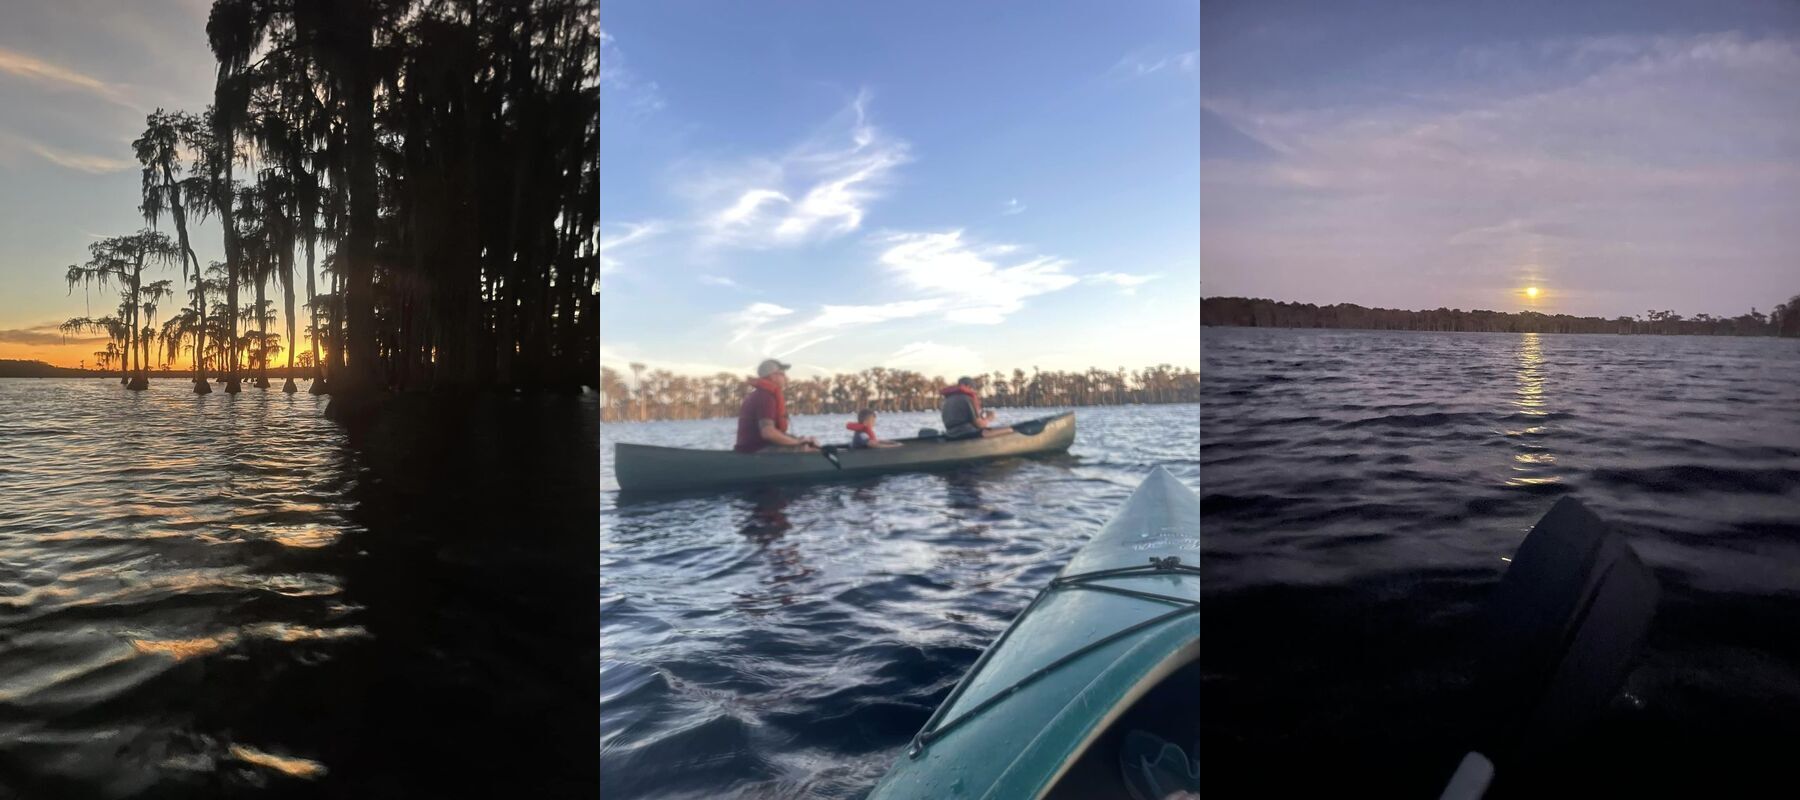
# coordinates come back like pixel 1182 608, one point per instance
pixel 763 419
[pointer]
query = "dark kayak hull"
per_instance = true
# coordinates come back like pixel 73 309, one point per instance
pixel 646 468
pixel 1098 639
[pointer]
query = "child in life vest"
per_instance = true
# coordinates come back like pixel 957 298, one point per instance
pixel 865 431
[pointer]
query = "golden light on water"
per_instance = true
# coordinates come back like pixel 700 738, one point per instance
pixel 1533 463
pixel 287 765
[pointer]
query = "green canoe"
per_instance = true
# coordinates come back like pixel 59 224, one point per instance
pixel 646 468
pixel 1111 646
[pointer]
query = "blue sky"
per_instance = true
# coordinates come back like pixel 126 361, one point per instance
pixel 940 186
pixel 76 80
pixel 1620 155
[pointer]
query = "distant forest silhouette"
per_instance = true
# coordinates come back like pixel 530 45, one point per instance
pixel 1256 312
pixel 421 178
pixel 31 368
pixel 663 395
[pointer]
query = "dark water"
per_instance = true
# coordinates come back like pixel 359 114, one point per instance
pixel 788 642
pixel 1362 488
pixel 231 597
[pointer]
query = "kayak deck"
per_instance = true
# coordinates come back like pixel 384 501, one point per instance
pixel 1119 624
pixel 648 468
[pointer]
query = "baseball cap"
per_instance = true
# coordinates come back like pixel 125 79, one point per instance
pixel 770 366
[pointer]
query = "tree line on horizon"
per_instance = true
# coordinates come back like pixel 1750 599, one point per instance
pixel 659 394
pixel 435 163
pixel 1256 312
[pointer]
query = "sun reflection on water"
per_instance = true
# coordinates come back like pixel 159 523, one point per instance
pixel 291 766
pixel 1533 461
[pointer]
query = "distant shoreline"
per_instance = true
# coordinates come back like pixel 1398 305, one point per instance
pixel 14 368
pixel 1248 312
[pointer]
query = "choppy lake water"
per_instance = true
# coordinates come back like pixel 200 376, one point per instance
pixel 788 642
pixel 228 597
pixel 1361 489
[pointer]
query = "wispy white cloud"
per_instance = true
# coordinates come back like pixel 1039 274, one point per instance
pixel 771 330
pixel 719 280
pixel 753 318
pixel 1012 207
pixel 1137 64
pixel 819 189
pixel 1126 282
pixel 47 75
pixel 628 234
pixel 620 86
pixel 13 145
pixel 45 334
pixel 1512 230
pixel 970 279
pixel 946 277
pixel 948 360
pixel 1654 114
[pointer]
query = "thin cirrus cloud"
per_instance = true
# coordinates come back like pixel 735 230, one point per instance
pixel 1608 163
pixel 818 190
pixel 46 75
pixel 623 86
pixel 629 234
pixel 1126 282
pixel 13 145
pixel 43 77
pixel 950 278
pixel 1138 64
pixel 772 329
pixel 970 279
pixel 1012 207
pixel 930 357
pixel 46 334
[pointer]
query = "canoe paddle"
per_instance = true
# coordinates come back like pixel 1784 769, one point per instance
pixel 1566 622
pixel 1029 427
pixel 830 452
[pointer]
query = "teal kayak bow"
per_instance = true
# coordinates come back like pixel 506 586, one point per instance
pixel 1109 648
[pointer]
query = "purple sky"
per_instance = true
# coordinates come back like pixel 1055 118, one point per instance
pixel 1620 156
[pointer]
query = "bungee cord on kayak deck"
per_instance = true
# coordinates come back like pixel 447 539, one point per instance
pixel 935 730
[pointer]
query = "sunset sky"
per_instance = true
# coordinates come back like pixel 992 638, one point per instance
pixel 76 80
pixel 943 186
pixel 1620 156
pixel 952 188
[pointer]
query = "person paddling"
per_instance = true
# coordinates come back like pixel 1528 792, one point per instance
pixel 865 431
pixel 763 419
pixel 963 417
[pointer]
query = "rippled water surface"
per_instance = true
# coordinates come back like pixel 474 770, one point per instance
pixel 1362 488
pixel 787 642
pixel 229 597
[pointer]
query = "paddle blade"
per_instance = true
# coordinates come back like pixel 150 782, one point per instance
pixel 1567 621
pixel 1029 428
pixel 831 456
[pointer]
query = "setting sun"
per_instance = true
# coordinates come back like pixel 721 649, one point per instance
pixel 1531 291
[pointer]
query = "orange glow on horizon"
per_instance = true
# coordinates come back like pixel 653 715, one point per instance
pixel 57 355
pixel 73 355
pixel 77 352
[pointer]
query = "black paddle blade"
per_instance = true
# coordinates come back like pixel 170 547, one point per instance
pixel 830 452
pixel 1567 621
pixel 1029 428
